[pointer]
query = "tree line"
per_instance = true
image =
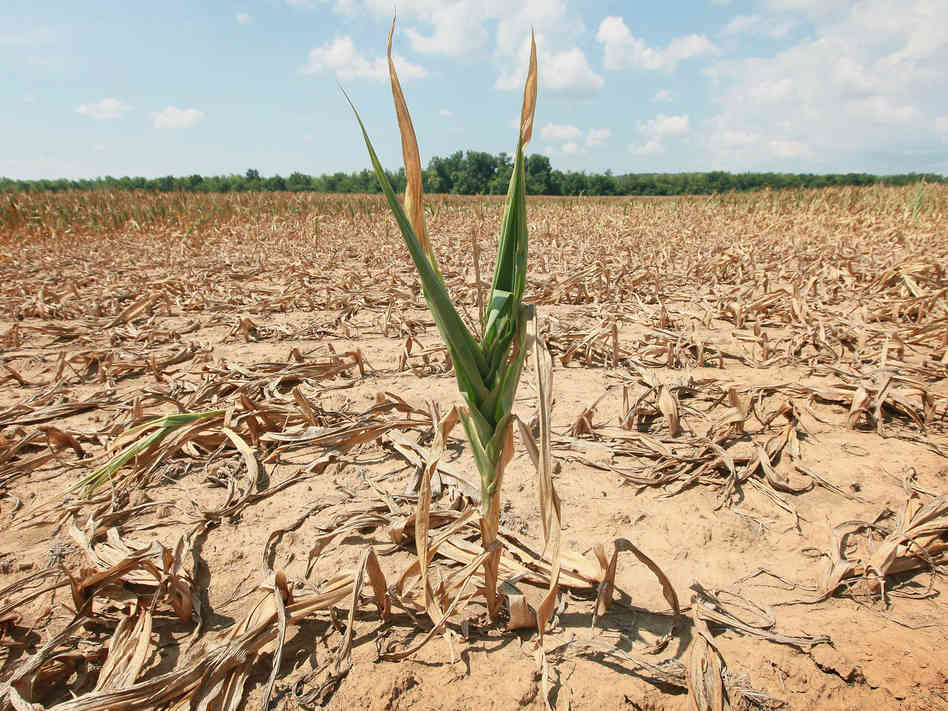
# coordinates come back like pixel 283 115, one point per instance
pixel 479 173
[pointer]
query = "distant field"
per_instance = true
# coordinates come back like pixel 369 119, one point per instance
pixel 751 388
pixel 37 212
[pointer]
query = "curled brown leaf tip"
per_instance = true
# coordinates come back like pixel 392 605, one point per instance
pixel 411 158
pixel 529 95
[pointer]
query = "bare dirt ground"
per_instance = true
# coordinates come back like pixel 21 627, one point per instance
pixel 750 389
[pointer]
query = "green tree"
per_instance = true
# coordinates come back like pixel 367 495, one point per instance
pixel 275 183
pixel 503 170
pixel 298 181
pixel 475 173
pixel 538 170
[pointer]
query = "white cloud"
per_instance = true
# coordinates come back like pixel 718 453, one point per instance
pixel 567 73
pixel 758 25
pixel 622 50
pixel 340 56
pixel 458 30
pixel 349 8
pixel 492 31
pixel 657 129
pixel 941 124
pixel 662 96
pixel 29 98
pixel 459 27
pixel 559 132
pixel 784 148
pixel 446 112
pixel 552 21
pixel 37 37
pixel 858 93
pixel 653 146
pixel 597 137
pixel 811 8
pixel 773 91
pixel 881 109
pixel 104 110
pixel 571 137
pixel 243 18
pixel 738 139
pixel 741 23
pixel 99 147
pixel 851 75
pixel 173 117
pixel 663 125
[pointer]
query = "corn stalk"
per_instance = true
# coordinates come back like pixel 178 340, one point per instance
pixel 487 370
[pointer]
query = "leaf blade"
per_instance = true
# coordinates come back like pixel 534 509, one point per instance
pixel 466 353
pixel 412 160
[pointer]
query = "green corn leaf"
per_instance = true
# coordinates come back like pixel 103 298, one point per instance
pixel 465 352
pixel 507 387
pixel 483 461
pixel 510 272
pixel 493 451
pixel 497 310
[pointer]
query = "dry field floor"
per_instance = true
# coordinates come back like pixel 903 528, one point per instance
pixel 748 390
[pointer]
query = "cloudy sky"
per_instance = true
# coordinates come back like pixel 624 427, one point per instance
pixel 120 88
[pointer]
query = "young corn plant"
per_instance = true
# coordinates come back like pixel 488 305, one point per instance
pixel 487 369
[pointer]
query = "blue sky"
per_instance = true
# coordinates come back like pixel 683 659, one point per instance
pixel 121 88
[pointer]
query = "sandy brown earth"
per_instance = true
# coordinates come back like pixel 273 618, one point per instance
pixel 751 390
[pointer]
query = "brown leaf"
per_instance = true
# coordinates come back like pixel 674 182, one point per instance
pixel 528 109
pixel 606 587
pixel 129 649
pixel 550 512
pixel 412 159
pixel 59 440
pixel 668 405
pixel 490 523
pixel 520 615
pixel 444 427
pixel 705 681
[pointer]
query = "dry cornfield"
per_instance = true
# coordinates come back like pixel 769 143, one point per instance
pixel 222 414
